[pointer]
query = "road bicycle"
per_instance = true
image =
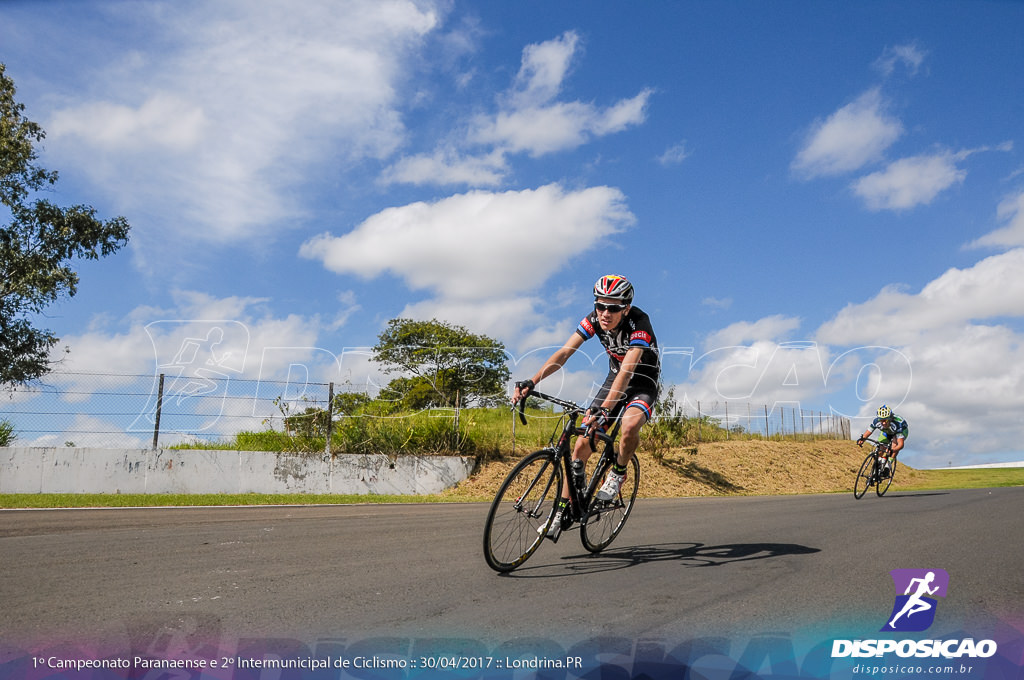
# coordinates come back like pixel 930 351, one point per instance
pixel 524 508
pixel 871 469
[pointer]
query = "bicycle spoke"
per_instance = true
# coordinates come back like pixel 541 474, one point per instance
pixel 605 519
pixel 865 477
pixel 521 510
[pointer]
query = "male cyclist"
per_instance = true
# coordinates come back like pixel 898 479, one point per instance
pixel 629 391
pixel 893 431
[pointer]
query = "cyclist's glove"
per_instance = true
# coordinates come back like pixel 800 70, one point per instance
pixel 860 442
pixel 599 417
pixel 525 387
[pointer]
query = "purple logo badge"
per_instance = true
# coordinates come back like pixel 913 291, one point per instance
pixel 916 590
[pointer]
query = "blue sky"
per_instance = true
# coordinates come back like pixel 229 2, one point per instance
pixel 819 203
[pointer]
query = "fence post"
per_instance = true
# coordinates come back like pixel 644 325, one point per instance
pixel 767 435
pixel 330 418
pixel 159 408
pixel 457 400
pixel 698 421
pixel 727 421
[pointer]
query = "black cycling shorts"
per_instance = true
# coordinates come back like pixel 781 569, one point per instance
pixel 640 393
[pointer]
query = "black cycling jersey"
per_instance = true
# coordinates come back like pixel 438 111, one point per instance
pixel 634 331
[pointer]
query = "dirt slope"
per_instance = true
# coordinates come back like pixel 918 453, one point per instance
pixel 724 468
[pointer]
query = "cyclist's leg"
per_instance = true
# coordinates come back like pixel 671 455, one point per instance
pixel 884 451
pixel 633 413
pixel 638 410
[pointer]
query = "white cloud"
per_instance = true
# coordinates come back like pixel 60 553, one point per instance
pixel 910 56
pixel 216 131
pixel 675 154
pixel 1011 213
pixel 476 245
pixel 557 127
pixel 855 135
pixel 949 358
pixel 910 182
pixel 967 375
pixel 489 317
pixel 225 336
pixel 530 119
pixel 772 327
pixel 543 69
pixel 448 167
pixel 621 115
pixel 990 289
pixel 163 121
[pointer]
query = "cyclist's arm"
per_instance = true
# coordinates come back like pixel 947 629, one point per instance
pixel 555 362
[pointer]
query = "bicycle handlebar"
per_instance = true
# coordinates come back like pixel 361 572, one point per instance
pixel 569 406
pixel 876 442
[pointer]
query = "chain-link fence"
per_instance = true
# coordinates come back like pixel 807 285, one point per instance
pixel 143 411
pixel 149 411
pixel 724 420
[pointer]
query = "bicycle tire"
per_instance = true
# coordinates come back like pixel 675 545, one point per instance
pixel 522 510
pixel 884 484
pixel 605 519
pixel 864 475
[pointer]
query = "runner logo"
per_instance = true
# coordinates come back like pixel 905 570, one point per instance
pixel 915 605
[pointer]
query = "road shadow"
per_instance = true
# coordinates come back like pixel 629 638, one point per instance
pixel 687 554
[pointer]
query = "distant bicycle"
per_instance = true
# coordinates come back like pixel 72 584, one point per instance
pixel 871 472
pixel 524 507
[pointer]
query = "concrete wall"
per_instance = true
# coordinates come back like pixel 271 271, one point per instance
pixel 73 470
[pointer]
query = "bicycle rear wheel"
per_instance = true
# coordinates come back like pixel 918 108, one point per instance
pixel 884 484
pixel 521 511
pixel 864 477
pixel 605 519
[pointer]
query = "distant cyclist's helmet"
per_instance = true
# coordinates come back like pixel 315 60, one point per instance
pixel 884 412
pixel 614 287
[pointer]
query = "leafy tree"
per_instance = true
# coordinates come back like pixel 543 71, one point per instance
pixel 38 244
pixel 414 393
pixel 441 363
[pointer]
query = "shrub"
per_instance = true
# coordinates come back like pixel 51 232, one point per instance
pixel 7 435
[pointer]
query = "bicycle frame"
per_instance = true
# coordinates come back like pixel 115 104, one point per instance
pixel 878 447
pixel 579 499
pixel 871 476
pixel 524 507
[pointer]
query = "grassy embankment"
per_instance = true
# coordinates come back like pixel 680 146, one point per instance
pixel 672 462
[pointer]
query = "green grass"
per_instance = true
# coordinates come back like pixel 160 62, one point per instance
pixel 975 478
pixel 482 432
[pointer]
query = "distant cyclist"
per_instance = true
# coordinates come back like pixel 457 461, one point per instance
pixel 893 430
pixel 628 393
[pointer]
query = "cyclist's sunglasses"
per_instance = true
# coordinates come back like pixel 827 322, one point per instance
pixel 602 307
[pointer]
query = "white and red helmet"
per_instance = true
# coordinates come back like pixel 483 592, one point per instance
pixel 614 287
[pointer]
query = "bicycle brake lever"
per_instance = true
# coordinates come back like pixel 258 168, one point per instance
pixel 522 410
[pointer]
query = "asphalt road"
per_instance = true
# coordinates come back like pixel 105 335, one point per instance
pixel 681 569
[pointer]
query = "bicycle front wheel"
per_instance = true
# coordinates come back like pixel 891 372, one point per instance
pixel 605 519
pixel 521 511
pixel 884 484
pixel 863 481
